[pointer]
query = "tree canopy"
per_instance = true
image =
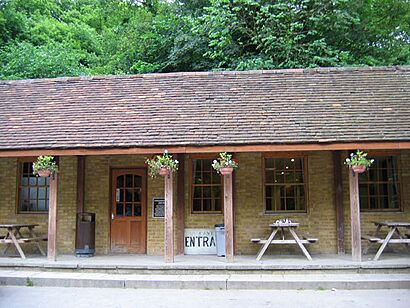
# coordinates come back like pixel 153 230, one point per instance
pixel 51 38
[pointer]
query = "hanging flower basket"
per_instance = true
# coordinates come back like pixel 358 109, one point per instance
pixel 161 164
pixel 44 166
pixel 359 168
pixel 44 173
pixel 225 164
pixel 358 161
pixel 164 171
pixel 226 170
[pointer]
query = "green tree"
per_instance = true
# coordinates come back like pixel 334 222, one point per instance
pixel 48 38
pixel 249 34
pixel 24 60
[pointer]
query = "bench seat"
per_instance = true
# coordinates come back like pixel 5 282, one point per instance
pixel 310 239
pixel 282 242
pixel 371 238
pixel 24 240
pixel 381 240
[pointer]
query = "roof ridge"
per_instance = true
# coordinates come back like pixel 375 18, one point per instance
pixel 318 70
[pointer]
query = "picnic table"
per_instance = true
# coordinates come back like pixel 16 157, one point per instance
pixel 401 238
pixel 282 229
pixel 15 237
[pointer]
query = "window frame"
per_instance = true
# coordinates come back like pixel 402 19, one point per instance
pixel 278 155
pixel 399 180
pixel 191 185
pixel 20 162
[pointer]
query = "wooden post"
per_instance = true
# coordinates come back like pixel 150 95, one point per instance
pixel 355 216
pixel 80 183
pixel 169 236
pixel 228 217
pixel 181 204
pixel 338 188
pixel 80 189
pixel 52 218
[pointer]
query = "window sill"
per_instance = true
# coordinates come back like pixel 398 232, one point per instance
pixel 32 213
pixel 381 212
pixel 206 213
pixel 284 213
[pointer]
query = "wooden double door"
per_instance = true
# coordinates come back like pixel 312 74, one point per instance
pixel 128 210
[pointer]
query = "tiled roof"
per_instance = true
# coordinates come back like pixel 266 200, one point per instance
pixel 203 109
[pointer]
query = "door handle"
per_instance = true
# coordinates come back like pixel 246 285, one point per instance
pixel 112 216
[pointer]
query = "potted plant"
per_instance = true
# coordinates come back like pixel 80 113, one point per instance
pixel 44 166
pixel 225 164
pixel 161 164
pixel 358 161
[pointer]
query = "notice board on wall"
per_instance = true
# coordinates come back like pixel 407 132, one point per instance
pixel 158 208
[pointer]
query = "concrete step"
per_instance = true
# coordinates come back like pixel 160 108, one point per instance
pixel 207 282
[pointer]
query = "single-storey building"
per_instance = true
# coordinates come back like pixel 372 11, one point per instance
pixel 290 131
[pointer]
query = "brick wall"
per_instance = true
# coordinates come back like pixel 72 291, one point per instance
pixel 251 221
pixel 66 203
pixel 250 218
pixel 98 193
pixel 367 218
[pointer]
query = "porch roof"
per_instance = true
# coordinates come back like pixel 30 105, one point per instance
pixel 278 107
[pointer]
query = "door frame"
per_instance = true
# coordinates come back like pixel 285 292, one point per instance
pixel 144 169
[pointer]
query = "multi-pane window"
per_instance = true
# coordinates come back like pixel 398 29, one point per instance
pixel 128 195
pixel 206 187
pixel 33 190
pixel 285 184
pixel 379 185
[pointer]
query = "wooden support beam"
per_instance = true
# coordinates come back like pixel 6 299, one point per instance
pixel 338 189
pixel 321 146
pixel 228 217
pixel 80 183
pixel 355 216
pixel 52 218
pixel 80 189
pixel 180 204
pixel 169 225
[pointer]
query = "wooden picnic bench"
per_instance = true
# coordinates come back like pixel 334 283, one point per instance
pixel 394 230
pixel 283 228
pixel 15 237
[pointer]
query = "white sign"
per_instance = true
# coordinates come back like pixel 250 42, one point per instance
pixel 200 242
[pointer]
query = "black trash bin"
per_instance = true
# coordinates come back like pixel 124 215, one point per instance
pixel 85 236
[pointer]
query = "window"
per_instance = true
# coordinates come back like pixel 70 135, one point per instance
pixel 206 187
pixel 33 190
pixel 379 186
pixel 285 184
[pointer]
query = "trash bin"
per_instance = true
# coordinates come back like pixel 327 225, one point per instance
pixel 85 235
pixel 220 240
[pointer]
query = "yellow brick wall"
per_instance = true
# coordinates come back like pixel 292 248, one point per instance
pixel 368 217
pixel 250 218
pixel 251 221
pixel 200 221
pixel 97 196
pixel 66 203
